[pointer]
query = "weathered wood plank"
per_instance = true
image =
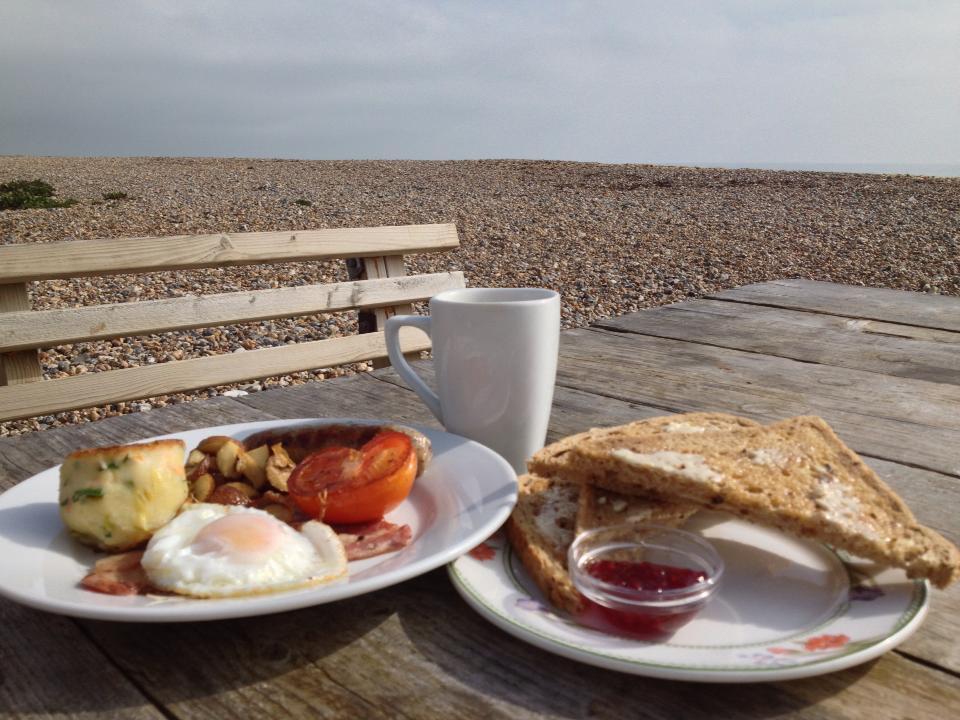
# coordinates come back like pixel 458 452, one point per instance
pixel 381 657
pixel 148 381
pixel 377 396
pixel 49 669
pixel 416 651
pixel 78 258
pixel 419 640
pixel 357 396
pixel 390 266
pixel 895 306
pixel 47 328
pixel 806 336
pixel 933 496
pixel 875 327
pixel 23 366
pixel 384 267
pixel 26 455
pixel 912 422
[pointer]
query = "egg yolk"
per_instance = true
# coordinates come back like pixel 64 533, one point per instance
pixel 242 538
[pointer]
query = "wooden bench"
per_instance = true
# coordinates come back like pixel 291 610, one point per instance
pixel 378 287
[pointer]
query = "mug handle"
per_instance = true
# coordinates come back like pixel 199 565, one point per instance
pixel 400 364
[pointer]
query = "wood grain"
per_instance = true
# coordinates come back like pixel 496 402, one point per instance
pixel 47 328
pixel 894 306
pixel 912 422
pixel 379 396
pixel 364 396
pixel 49 669
pixel 19 401
pixel 932 496
pixel 26 455
pixel 17 367
pixel 382 268
pixel 78 258
pixel 806 336
pixel 417 651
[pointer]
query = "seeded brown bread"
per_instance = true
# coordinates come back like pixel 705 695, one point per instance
pixel 541 529
pixel 551 460
pixel 543 524
pixel 599 508
pixel 795 475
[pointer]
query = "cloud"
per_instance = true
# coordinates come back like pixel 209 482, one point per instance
pixel 604 81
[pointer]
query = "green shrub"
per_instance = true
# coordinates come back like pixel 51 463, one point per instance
pixel 24 194
pixel 30 187
pixel 115 196
pixel 301 201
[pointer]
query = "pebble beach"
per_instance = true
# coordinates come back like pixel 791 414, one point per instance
pixel 611 239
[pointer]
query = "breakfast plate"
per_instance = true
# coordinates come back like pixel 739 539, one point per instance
pixel 786 608
pixel 464 495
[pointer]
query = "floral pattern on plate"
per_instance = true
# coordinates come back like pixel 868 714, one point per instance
pixel 788 608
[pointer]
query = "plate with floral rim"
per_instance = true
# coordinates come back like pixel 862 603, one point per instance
pixel 786 608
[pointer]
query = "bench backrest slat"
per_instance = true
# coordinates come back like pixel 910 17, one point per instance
pixel 48 328
pixel 17 367
pixel 378 287
pixel 79 258
pixel 42 398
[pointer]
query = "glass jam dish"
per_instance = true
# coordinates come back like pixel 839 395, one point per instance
pixel 643 581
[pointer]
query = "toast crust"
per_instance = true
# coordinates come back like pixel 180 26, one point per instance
pixel 549 514
pixel 551 461
pixel 540 528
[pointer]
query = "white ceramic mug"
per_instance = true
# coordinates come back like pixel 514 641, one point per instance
pixel 495 358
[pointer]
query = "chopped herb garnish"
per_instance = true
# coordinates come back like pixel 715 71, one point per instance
pixel 64 502
pixel 128 484
pixel 87 493
pixel 114 464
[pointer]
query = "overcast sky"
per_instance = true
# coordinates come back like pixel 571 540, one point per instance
pixel 658 81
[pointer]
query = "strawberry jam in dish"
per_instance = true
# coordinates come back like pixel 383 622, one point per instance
pixel 642 581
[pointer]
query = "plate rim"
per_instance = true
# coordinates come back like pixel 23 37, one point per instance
pixel 908 622
pixel 281 601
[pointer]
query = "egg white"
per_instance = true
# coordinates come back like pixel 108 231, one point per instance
pixel 172 563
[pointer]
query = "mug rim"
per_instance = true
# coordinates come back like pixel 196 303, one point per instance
pixel 495 296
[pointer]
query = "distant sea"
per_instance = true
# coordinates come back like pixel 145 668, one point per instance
pixel 936 169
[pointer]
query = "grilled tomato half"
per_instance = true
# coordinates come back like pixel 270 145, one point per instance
pixel 345 485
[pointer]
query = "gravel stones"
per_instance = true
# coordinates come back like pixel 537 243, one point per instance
pixel 611 238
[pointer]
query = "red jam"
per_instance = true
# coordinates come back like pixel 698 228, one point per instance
pixel 650 577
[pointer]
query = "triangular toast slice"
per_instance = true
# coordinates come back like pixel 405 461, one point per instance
pixel 542 527
pixel 606 507
pixel 600 508
pixel 552 458
pixel 795 475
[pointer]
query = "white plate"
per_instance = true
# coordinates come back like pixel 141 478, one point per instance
pixel 465 494
pixel 786 608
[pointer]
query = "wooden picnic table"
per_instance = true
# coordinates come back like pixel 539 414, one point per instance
pixel 882 366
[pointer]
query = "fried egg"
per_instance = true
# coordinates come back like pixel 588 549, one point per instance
pixel 226 550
